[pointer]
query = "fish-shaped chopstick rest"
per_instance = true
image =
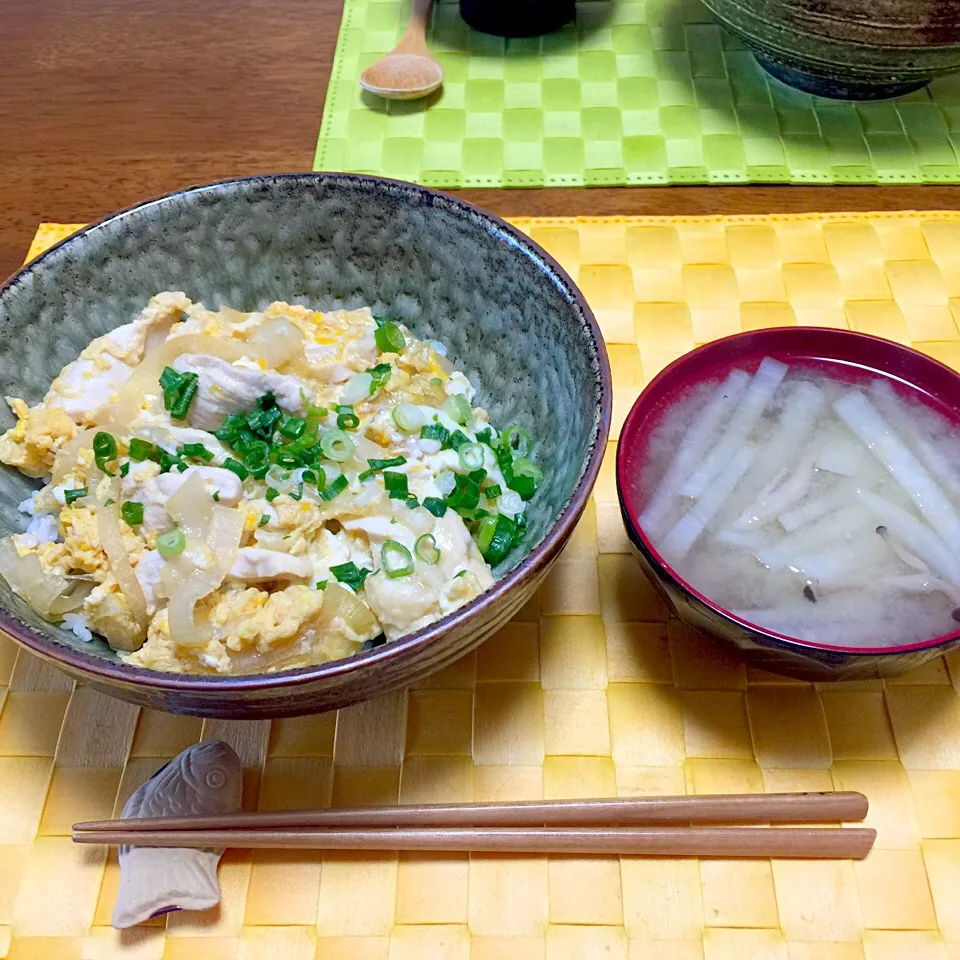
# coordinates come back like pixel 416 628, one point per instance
pixel 206 778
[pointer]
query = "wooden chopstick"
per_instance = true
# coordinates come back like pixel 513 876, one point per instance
pixel 726 842
pixel 727 808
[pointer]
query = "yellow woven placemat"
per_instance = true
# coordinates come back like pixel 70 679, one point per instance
pixel 591 691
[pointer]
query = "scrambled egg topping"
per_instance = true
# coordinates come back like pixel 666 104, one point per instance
pixel 230 492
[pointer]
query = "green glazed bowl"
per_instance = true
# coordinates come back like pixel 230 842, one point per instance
pixel 511 319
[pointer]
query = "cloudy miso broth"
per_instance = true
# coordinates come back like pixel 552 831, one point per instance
pixel 820 507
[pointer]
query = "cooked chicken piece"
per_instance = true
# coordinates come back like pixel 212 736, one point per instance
pixel 254 564
pixel 226 388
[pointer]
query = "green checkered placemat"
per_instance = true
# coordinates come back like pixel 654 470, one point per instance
pixel 638 92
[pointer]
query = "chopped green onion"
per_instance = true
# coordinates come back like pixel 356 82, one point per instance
pixel 272 493
pixel 336 445
pixel 124 468
pixel 493 491
pixel 465 495
pixel 457 408
pixel 299 494
pixel 197 450
pixel 309 476
pixel 287 460
pixel 484 534
pixel 104 450
pixel 264 519
pixel 426 549
pixel 396 484
pixel 216 496
pixel 477 476
pixel 379 375
pixel 317 413
pixel 412 502
pixel 390 338
pixel 527 477
pixel 408 418
pixel 436 431
pixel 322 584
pixel 140 449
pixel 179 394
pixel 471 456
pixel 235 466
pixel 132 512
pixel 171 543
pixel 350 574
pixel 109 502
pixel 348 421
pixel 293 427
pixel 396 559
pixel 505 534
pixel 435 505
pixel 335 488
pixel 517 440
pixel 486 436
pixel 70 495
pixel 385 464
pixel 457 440
pixel 505 461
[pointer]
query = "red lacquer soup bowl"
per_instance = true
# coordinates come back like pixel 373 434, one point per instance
pixel 840 354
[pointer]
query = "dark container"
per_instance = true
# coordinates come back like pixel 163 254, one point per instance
pixel 517 18
pixel 848 49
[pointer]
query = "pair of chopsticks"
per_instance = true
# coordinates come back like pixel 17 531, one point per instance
pixel 699 826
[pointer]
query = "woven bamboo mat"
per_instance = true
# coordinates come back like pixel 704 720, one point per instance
pixel 637 92
pixel 591 691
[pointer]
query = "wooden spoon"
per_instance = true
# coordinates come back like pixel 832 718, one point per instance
pixel 408 71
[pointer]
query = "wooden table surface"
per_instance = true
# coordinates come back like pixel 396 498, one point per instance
pixel 106 102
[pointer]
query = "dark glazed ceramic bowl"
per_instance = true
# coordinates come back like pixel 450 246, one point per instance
pixel 517 18
pixel 848 49
pixel 511 318
pixel 844 355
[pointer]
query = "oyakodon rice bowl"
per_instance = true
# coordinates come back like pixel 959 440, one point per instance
pixel 247 492
pixel 807 498
pixel 305 503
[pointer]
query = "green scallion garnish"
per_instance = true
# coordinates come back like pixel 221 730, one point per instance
pixel 390 338
pixel 104 450
pixel 457 440
pixel 272 493
pixel 348 421
pixel 396 485
pixel 140 449
pixel 336 487
pixel 436 431
pixel 197 450
pixel 171 543
pixel 292 428
pixel 396 559
pixel 264 519
pixel 465 494
pixel 484 534
pixel 235 466
pixel 132 512
pixel 505 534
pixel 471 455
pixel 70 495
pixel 527 477
pixel 457 408
pixel 517 440
pixel 493 491
pixel 426 549
pixel 336 445
pixel 124 468
pixel 379 375
pixel 350 574
pixel 435 505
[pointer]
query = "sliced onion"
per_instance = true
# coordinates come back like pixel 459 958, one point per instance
pixel 66 459
pixel 357 388
pixel 192 507
pixel 50 594
pixel 226 531
pixel 108 526
pixel 340 602
pixel 409 417
pixel 276 341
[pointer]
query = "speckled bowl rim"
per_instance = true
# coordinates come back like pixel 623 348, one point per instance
pixel 534 563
